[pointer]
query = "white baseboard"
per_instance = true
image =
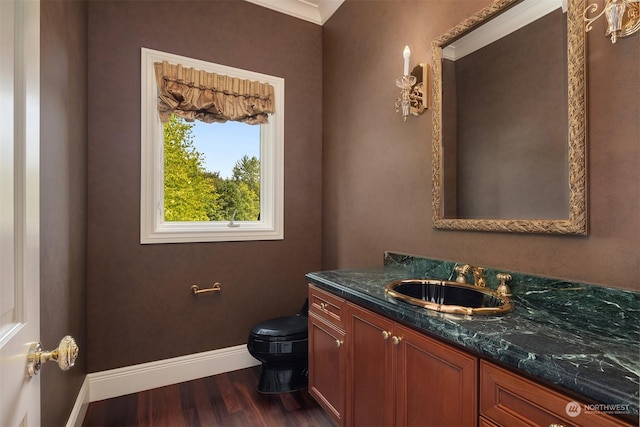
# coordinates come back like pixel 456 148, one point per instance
pixel 136 378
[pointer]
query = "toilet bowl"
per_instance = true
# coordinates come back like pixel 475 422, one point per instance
pixel 281 345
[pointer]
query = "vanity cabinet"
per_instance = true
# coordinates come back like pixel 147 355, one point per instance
pixel 508 399
pixel 327 352
pixel 368 370
pixel 397 376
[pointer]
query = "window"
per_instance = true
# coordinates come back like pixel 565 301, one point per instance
pixel 245 200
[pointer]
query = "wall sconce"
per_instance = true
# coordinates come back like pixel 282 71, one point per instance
pixel 414 88
pixel 619 25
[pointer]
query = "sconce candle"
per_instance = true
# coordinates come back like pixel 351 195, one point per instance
pixel 406 53
pixel 413 91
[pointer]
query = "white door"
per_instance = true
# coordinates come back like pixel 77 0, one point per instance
pixel 19 209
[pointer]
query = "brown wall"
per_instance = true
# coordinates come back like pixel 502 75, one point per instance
pixel 139 305
pixel 63 198
pixel 377 169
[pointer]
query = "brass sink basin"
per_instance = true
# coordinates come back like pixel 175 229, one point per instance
pixel 449 297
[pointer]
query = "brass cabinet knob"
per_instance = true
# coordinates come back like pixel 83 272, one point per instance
pixel 66 355
pixel 396 340
pixel 339 343
pixel 386 335
pixel 323 306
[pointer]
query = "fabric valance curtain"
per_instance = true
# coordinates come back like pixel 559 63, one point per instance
pixel 209 97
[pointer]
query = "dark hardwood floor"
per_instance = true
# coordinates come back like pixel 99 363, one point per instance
pixel 228 400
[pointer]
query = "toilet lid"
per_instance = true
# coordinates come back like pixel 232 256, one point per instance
pixel 290 326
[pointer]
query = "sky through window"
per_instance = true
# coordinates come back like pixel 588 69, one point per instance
pixel 223 144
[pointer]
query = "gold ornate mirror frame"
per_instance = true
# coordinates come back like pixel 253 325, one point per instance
pixel 577 152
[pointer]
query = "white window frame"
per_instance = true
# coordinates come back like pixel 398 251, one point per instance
pixel 153 228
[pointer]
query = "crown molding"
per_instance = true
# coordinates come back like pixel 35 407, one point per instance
pixel 316 11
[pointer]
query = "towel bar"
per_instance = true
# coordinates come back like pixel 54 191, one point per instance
pixel 195 289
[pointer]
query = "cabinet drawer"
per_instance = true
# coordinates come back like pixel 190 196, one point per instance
pixel 326 306
pixel 509 399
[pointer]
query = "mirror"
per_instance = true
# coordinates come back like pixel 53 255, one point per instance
pixel 509 120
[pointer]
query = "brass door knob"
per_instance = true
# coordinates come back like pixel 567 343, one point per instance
pixel 339 343
pixel 66 355
pixel 396 340
pixel 386 335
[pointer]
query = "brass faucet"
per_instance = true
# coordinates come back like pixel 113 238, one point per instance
pixel 478 275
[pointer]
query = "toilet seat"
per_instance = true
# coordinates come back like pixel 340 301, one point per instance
pixel 289 328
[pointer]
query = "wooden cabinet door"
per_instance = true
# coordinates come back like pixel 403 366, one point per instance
pixel 370 369
pixel 327 365
pixel 436 384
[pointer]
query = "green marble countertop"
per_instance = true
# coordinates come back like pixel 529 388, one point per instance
pixel 583 338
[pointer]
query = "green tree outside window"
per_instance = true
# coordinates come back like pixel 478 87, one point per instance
pixel 191 193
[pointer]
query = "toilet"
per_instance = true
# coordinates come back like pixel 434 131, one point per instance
pixel 281 344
